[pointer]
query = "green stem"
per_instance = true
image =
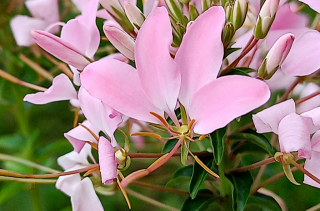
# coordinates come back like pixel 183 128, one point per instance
pixel 26 180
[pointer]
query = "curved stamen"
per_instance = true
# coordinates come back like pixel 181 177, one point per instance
pixel 165 123
pixel 90 131
pixel 154 135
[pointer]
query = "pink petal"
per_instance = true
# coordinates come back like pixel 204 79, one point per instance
pixel 107 161
pixel 224 99
pixel 84 197
pixel 294 135
pixel 311 103
pixel 268 120
pixel 61 89
pixel 76 34
pixel 314 4
pixel 117 84
pixel 149 6
pixel 60 49
pixel 79 135
pixel 303 58
pixel 47 10
pixel 22 26
pixel 314 115
pixel 200 55
pixel 312 166
pixel 157 71
pixel 99 114
pixel 315 141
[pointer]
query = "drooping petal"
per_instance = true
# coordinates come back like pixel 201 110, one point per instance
pixel 224 99
pixel 61 89
pixel 73 158
pixel 314 4
pixel 60 49
pixel 47 10
pixel 84 197
pixel 79 135
pixel 314 115
pixel 157 71
pixel 200 55
pixel 21 27
pixel 107 161
pixel 102 116
pixel 312 166
pixel 117 84
pixel 303 59
pixel 268 120
pixel 294 135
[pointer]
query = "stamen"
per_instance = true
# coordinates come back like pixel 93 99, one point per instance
pixel 157 161
pixel 164 122
pixel 90 131
pixel 124 194
pixel 191 124
pixel 202 137
pixel 94 146
pixel 205 167
pixel 154 135
pixel 76 118
pixel 91 171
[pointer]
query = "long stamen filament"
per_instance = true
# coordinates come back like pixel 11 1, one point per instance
pixel 154 135
pixel 165 123
pixel 90 131
pixel 124 194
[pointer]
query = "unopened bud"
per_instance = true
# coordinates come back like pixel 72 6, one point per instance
pixel 206 4
pixel 175 9
pixel 184 1
pixel 134 15
pixel 60 49
pixel 193 12
pixel 228 10
pixel 115 9
pixel 266 18
pixel 239 14
pixel 276 56
pixel 120 40
pixel 228 33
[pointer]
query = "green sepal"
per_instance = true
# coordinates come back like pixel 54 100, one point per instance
pixel 288 173
pixel 184 152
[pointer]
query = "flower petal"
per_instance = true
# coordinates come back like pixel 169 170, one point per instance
pixel 157 71
pixel 47 10
pixel 61 89
pixel 117 85
pixel 268 120
pixel 312 166
pixel 67 183
pixel 314 115
pixel 60 49
pixel 79 135
pixel 200 55
pixel 303 59
pixel 102 116
pixel 314 4
pixel 73 158
pixel 294 135
pixel 107 161
pixel 84 197
pixel 219 102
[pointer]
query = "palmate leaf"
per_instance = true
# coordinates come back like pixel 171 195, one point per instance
pixel 255 138
pixel 241 189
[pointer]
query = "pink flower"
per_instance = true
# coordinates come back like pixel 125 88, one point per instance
pixel 159 81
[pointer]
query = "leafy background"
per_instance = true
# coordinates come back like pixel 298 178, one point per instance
pixel 35 133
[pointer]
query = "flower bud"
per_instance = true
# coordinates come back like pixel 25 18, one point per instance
pixel 266 18
pixel 134 15
pixel 228 10
pixel 276 56
pixel 120 40
pixel 193 12
pixel 239 14
pixel 175 9
pixel 60 49
pixel 115 9
pixel 206 4
pixel 228 33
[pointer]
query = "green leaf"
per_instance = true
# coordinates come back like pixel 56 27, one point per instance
pixel 217 140
pixel 255 138
pixel 267 203
pixel 180 183
pixel 247 147
pixel 230 51
pixel 241 189
pixel 198 176
pixel 194 204
pixel 185 171
pixel 169 145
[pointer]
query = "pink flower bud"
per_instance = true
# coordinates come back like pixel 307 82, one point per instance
pixel 120 39
pixel 60 49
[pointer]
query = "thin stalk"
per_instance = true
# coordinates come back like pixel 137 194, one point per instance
pixel 243 128
pixel 150 200
pixel 15 80
pixel 314 208
pixel 158 155
pixel 26 180
pixel 301 100
pixel 289 90
pixel 27 163
pixel 253 166
pixel 36 67
pixel 316 179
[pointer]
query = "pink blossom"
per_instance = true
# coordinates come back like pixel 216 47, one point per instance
pixel 159 81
